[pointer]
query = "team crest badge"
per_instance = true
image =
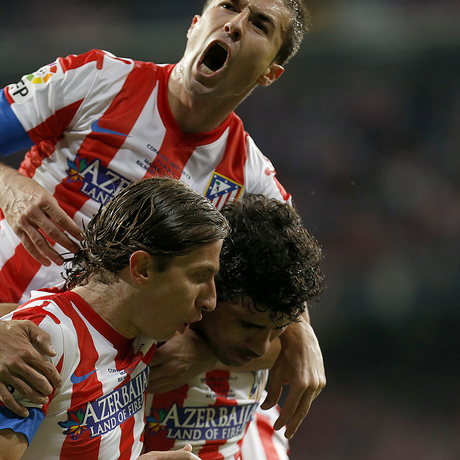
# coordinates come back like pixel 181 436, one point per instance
pixel 221 190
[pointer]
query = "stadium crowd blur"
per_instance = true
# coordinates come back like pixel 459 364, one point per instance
pixel 364 130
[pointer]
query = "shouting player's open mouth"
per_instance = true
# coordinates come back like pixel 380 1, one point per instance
pixel 214 58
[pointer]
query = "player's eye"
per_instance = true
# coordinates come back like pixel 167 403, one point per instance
pixel 261 26
pixel 228 6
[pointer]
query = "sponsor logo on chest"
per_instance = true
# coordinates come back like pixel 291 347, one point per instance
pixel 201 423
pixel 109 411
pixel 95 180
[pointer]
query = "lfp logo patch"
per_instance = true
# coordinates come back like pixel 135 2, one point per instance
pixel 221 189
pixel 29 84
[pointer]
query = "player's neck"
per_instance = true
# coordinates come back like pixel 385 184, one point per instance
pixel 109 304
pixel 195 114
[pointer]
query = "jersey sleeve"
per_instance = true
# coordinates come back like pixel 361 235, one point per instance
pixel 261 175
pixel 43 104
pixel 29 425
pixel 13 136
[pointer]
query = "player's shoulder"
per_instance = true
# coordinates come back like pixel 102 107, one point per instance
pixel 96 57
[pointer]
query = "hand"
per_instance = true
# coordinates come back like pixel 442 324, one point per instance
pixel 178 360
pixel 23 367
pixel 183 454
pixel 33 213
pixel 302 368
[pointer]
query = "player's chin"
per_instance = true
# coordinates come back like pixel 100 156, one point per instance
pixel 235 359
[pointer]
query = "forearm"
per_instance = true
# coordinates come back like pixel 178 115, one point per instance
pixel 5 170
pixel 12 445
pixel 297 333
pixel 6 308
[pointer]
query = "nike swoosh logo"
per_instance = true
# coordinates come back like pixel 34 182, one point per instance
pixel 99 129
pixel 75 379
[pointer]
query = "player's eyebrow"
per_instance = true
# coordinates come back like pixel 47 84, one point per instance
pixel 258 14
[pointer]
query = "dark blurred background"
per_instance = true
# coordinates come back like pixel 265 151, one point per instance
pixel 364 131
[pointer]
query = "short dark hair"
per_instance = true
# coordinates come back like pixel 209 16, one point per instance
pixel 269 260
pixel 293 35
pixel 160 215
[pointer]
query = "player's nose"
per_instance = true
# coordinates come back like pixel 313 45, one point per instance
pixel 260 343
pixel 208 297
pixel 235 26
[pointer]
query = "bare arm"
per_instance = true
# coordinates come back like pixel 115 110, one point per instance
pixel 33 213
pixel 23 366
pixel 187 355
pixel 300 365
pixel 6 308
pixel 12 445
pixel 178 360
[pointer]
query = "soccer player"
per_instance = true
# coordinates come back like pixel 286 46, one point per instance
pixel 96 123
pixel 146 271
pixel 269 269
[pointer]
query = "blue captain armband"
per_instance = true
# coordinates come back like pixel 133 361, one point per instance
pixel 28 426
pixel 13 136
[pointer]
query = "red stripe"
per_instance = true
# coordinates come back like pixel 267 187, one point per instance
pixel 177 147
pixel 45 137
pixel 286 196
pixel 170 161
pixel 6 92
pixel 36 313
pixel 266 431
pixel 88 390
pixel 154 436
pixel 127 438
pixel 218 381
pixel 75 61
pixel 126 361
pixel 52 129
pixel 235 156
pixel 16 274
pixel 121 116
pixel 45 148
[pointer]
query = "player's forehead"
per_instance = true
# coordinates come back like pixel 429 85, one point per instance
pixel 270 7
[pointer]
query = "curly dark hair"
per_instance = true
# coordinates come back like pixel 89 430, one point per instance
pixel 269 261
pixel 160 215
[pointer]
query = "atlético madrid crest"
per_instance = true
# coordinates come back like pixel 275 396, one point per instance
pixel 221 189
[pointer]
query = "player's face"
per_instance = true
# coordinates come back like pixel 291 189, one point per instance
pixel 178 296
pixel 231 47
pixel 238 334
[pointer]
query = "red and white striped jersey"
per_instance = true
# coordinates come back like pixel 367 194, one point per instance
pixel 98 123
pixel 261 441
pixel 98 413
pixel 211 413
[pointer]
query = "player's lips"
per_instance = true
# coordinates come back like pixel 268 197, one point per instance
pixel 214 58
pixel 185 326
pixel 245 356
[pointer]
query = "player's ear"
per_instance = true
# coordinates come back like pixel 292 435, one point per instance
pixel 195 19
pixel 271 74
pixel 140 264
